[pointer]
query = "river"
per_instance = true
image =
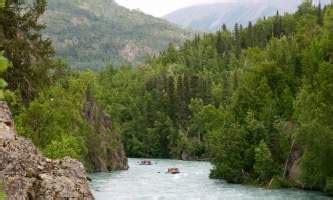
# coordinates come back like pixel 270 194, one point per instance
pixel 152 183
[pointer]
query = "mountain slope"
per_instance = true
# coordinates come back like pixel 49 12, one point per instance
pixel 93 33
pixel 210 17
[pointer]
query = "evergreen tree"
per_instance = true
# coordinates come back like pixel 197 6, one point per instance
pixel 250 35
pixel 237 40
pixel 328 28
pixel 224 28
pixel 320 18
pixel 24 47
pixel 264 165
pixel 220 46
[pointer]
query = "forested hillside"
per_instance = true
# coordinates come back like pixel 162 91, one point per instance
pixel 93 33
pixel 256 101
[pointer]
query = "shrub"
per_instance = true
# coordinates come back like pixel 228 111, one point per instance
pixel 263 166
pixel 65 146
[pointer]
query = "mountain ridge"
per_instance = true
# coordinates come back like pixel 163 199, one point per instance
pixel 211 16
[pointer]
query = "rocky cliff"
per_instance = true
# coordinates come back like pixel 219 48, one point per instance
pixel 106 151
pixel 26 174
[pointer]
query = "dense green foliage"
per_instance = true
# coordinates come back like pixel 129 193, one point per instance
pixel 144 104
pixel 47 125
pixel 248 99
pixel 46 97
pixel 93 33
pixel 55 123
pixel 3 67
pixel 25 48
pixel 256 101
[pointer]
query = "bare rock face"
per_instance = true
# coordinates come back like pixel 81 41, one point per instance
pixel 106 149
pixel 26 174
pixel 293 168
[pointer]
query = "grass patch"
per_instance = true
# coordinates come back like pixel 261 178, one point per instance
pixel 2 193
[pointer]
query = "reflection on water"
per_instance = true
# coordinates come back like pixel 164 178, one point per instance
pixel 152 183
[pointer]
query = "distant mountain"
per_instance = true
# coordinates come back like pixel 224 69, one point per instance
pixel 210 17
pixel 93 33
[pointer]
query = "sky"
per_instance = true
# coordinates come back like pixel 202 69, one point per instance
pixel 159 8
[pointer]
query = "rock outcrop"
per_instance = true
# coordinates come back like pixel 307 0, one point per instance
pixel 106 151
pixel 26 174
pixel 293 167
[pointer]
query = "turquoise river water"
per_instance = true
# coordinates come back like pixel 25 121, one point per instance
pixel 152 183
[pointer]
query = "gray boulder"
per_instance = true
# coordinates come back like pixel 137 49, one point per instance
pixel 26 174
